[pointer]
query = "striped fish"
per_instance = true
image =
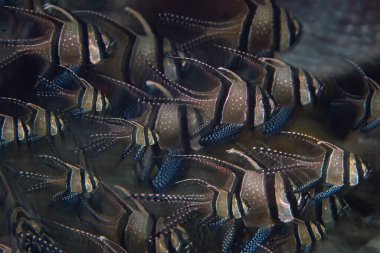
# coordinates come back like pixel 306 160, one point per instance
pixel 105 132
pixel 254 25
pixel 214 114
pixel 29 233
pixel 71 180
pixel 290 87
pixel 61 90
pixel 363 104
pixel 44 110
pixel 172 210
pixel 271 185
pixel 263 29
pixel 290 82
pixel 21 228
pixel 66 41
pixel 24 121
pixel 272 28
pixel 69 202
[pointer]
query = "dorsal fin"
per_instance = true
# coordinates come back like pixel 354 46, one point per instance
pixel 212 161
pixel 210 71
pixel 174 88
pixel 144 97
pixel 59 12
pixel 240 59
pixel 136 22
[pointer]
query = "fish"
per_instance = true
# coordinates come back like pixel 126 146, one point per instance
pixel 265 28
pixel 363 102
pixel 282 197
pixel 73 189
pixel 152 127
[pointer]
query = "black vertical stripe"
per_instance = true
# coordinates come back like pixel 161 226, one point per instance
pixel 58 124
pixel 334 209
pixel 104 103
pixel 247 26
pixel 297 237
pixel 310 231
pixel 325 165
pixel 319 210
pixel 85 43
pixel 94 99
pixel 319 187
pixel 346 168
pixel 251 101
pixel 229 205
pixel 55 51
pixel 310 86
pixel 269 78
pixel 271 196
pixel 240 205
pixel 213 203
pixel 296 85
pixel 319 227
pixel 185 134
pixel 266 105
pixel 153 116
pixel 25 128
pixel 169 244
pixel 146 134
pixel 90 168
pixel 2 120
pixel 83 180
pixel 292 29
pixel 221 101
pixel 290 196
pixel 276 27
pixel 68 180
pixel 15 128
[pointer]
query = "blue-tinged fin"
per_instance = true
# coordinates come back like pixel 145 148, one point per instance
pixel 228 236
pixel 140 152
pixel 127 150
pixel 220 134
pixel 370 126
pixel 66 197
pixel 278 120
pixel 66 77
pixel 328 193
pixel 306 187
pixel 261 237
pixel 168 171
pixel 32 139
pixel 309 248
pixel 78 112
pixel 4 143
